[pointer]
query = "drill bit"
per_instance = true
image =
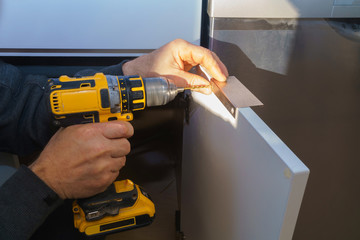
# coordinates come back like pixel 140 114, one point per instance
pixel 194 87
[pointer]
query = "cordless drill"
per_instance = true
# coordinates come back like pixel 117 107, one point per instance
pixel 101 98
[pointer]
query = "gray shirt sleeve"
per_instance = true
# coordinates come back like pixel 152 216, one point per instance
pixel 25 202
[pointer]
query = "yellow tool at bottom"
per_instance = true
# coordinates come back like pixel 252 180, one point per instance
pixel 124 205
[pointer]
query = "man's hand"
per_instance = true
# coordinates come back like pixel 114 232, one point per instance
pixel 83 160
pixel 174 60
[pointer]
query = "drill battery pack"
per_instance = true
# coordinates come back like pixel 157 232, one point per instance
pixel 123 206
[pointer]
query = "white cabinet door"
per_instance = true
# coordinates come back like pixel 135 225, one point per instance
pixel 95 28
pixel 239 180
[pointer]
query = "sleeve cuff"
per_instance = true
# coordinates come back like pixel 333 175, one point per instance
pixel 29 186
pixel 115 69
pixel 25 203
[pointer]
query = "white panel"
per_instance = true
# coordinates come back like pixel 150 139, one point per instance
pixel 276 8
pixel 93 24
pixel 239 180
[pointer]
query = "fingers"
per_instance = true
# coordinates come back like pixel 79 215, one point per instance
pixel 107 170
pixel 116 129
pixel 221 65
pixel 196 55
pixel 119 147
pixel 118 164
pixel 117 132
pixel 82 160
pixel 211 62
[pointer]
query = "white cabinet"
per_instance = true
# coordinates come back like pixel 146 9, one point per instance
pixel 239 180
pixel 95 28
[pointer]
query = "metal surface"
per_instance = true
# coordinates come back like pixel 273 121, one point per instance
pixel 306 72
pixel 232 93
pixel 114 94
pixel 283 8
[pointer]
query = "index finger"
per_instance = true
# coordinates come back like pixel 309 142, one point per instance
pixel 196 55
pixel 117 129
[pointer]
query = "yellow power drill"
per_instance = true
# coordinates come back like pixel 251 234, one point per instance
pixel 101 98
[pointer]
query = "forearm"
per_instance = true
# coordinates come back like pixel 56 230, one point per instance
pixel 25 122
pixel 25 203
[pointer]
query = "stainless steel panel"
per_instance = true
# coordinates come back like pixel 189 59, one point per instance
pixel 307 74
pixel 282 8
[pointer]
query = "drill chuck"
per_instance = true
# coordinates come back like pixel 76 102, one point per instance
pixel 160 91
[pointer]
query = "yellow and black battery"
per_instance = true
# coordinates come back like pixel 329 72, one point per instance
pixel 123 206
